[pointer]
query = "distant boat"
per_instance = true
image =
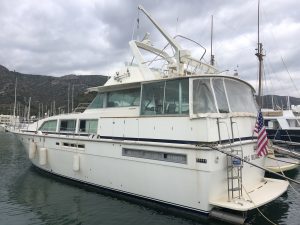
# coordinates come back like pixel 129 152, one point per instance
pixel 180 134
pixel 283 126
pixel 2 127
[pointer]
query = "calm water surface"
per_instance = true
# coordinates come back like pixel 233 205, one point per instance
pixel 28 196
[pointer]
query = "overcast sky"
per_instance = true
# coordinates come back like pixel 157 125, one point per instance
pixel 54 37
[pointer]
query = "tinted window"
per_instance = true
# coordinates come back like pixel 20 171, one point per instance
pixel 97 102
pixel 68 125
pixel 49 126
pixel 152 98
pixel 171 105
pixel 166 97
pixel 124 98
pixel 88 126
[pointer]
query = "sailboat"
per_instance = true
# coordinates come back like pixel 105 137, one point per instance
pixel 273 163
pixel 162 134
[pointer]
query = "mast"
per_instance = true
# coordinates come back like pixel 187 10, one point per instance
pixel 15 104
pixel 260 61
pixel 69 98
pixel 212 57
pixel 72 97
pixel 28 113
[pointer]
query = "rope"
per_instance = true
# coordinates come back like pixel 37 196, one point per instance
pixel 257 207
pixel 289 75
pixel 289 183
pixel 266 218
pixel 243 160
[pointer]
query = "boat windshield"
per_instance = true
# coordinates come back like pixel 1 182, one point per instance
pixel 223 95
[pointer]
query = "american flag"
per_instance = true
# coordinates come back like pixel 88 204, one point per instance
pixel 262 140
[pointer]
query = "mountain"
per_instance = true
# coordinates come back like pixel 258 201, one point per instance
pixel 44 91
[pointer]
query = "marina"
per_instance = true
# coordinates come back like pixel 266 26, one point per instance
pixel 185 120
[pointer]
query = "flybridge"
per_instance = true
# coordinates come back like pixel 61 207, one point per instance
pixel 180 64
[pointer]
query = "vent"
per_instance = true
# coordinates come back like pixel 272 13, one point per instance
pixel 160 156
pixel 201 160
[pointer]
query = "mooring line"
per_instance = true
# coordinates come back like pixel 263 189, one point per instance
pixel 243 160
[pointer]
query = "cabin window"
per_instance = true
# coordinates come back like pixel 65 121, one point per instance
pixel 165 97
pixel 219 89
pixel 240 97
pixel 171 104
pixel 97 102
pixel 68 125
pixel 293 122
pixel 124 98
pixel 152 98
pixel 49 126
pixel 184 97
pixel 203 99
pixel 88 126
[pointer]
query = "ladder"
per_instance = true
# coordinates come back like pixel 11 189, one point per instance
pixel 234 174
pixel 234 165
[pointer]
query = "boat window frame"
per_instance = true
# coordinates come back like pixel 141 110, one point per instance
pixel 120 90
pixel 87 119
pixel 47 121
pixel 216 114
pixel 163 114
pixel 207 114
pixel 67 131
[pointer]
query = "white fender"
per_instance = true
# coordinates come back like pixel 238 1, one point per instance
pixel 76 163
pixel 32 150
pixel 43 156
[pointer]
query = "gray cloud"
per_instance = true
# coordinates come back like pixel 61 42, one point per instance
pixel 91 36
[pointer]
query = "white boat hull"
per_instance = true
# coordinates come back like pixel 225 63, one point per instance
pixel 189 185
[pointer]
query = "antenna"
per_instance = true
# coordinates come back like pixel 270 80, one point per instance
pixel 212 57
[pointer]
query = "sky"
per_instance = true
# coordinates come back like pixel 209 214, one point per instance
pixel 54 37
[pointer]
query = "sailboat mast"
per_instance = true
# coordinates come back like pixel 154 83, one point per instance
pixel 15 104
pixel 212 60
pixel 260 60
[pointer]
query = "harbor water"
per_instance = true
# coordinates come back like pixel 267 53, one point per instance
pixel 30 196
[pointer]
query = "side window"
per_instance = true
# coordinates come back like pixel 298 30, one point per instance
pixel 97 102
pixel 238 94
pixel 67 125
pixel 152 98
pixel 49 126
pixel 88 126
pixel 184 101
pixel 124 98
pixel 220 95
pixel 165 97
pixel 171 104
pixel 203 100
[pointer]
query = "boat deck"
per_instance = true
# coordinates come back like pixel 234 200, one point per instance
pixel 268 190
